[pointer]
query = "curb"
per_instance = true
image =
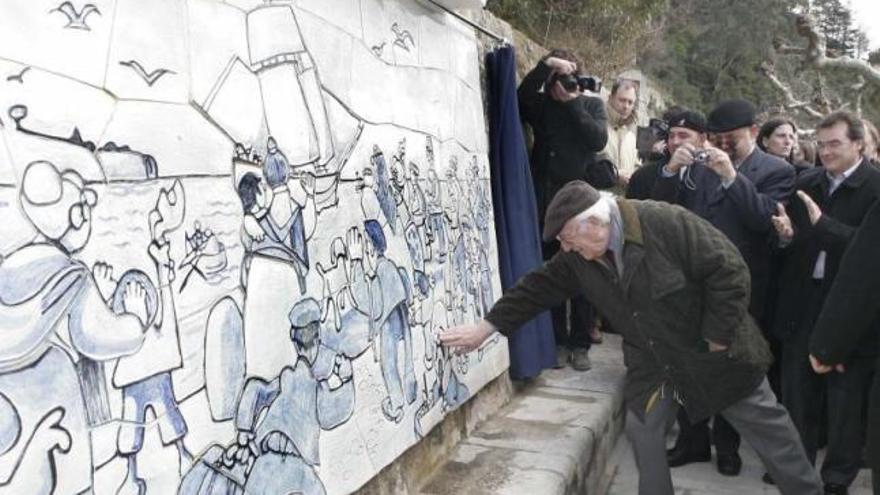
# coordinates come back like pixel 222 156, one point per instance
pixel 556 435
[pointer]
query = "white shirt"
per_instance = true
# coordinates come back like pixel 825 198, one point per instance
pixel 834 183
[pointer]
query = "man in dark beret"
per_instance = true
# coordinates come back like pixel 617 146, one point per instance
pixel 682 127
pixel 677 290
pixel 736 187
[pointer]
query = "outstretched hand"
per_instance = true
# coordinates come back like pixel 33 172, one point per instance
pixel 812 208
pixel 466 338
pixel 782 223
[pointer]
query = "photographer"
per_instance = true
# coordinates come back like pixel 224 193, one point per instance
pixel 569 129
pixel 653 150
pixel 736 187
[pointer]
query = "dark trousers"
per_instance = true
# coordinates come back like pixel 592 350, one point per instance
pixel 572 320
pixel 762 422
pixel 838 398
pixel 696 435
pixel 572 328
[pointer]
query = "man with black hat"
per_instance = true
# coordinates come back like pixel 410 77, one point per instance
pixel 677 290
pixel 736 188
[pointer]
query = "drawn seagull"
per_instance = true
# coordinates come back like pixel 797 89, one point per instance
pixel 403 35
pixel 377 49
pixel 149 78
pixel 18 77
pixel 76 20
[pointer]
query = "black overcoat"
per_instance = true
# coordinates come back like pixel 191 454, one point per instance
pixel 842 213
pixel 567 135
pixel 851 312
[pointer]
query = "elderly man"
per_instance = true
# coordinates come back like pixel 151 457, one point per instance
pixel 736 188
pixel 677 290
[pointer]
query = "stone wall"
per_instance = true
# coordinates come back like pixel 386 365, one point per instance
pixel 231 232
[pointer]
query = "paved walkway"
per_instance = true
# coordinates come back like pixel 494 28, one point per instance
pixel 702 479
pixel 555 437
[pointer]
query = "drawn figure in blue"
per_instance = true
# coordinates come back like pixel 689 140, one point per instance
pixel 442 386
pixel 290 218
pixel 377 178
pixel 435 232
pixel 481 204
pixel 279 421
pixel 416 205
pixel 478 280
pixel 145 377
pixel 280 218
pixel 398 180
pixel 380 290
pixel 53 312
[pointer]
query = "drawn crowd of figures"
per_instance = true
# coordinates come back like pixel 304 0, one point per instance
pixel 70 325
pixel 241 310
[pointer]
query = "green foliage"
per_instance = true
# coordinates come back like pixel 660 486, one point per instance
pixel 605 34
pixel 702 51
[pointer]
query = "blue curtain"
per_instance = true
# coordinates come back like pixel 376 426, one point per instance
pixel 532 347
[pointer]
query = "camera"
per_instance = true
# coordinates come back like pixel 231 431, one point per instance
pixel 571 82
pixel 647 136
pixel 701 157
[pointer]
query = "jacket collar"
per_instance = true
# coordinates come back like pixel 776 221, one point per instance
pixel 632 226
pixel 633 238
pixel 855 180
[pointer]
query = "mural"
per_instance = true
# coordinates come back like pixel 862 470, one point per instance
pixel 232 232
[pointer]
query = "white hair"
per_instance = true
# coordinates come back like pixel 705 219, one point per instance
pixel 601 211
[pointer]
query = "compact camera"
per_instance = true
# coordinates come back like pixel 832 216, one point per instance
pixel 701 157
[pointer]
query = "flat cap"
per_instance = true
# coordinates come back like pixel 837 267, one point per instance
pixel 730 115
pixel 687 119
pixel 304 312
pixel 572 199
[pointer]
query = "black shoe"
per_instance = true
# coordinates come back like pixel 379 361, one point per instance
pixel 768 479
pixel 729 464
pixel 682 454
pixel 835 489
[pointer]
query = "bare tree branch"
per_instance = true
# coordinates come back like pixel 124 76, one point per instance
pixel 859 88
pixel 791 103
pixel 816 52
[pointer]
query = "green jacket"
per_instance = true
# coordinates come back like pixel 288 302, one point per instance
pixel 683 283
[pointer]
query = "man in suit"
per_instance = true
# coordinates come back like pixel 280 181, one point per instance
pixel 735 186
pixel 817 228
